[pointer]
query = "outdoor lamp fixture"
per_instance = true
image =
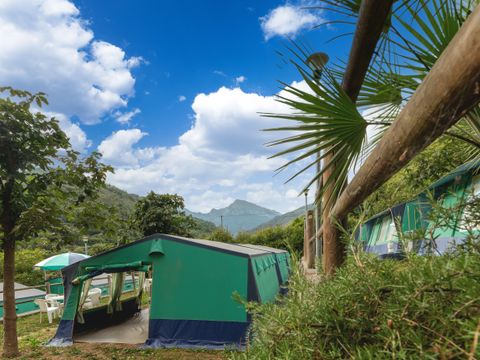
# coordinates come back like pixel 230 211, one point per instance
pixel 85 241
pixel 306 200
pixel 317 62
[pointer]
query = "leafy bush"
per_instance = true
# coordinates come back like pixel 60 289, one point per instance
pixel 421 307
pixel 289 237
pixel 221 235
pixel 24 261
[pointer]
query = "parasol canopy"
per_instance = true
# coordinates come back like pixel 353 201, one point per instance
pixel 58 262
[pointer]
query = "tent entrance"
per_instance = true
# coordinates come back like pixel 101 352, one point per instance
pixel 131 331
pixel 118 316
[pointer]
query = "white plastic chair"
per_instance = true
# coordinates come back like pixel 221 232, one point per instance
pixel 52 299
pixel 52 310
pixel 94 296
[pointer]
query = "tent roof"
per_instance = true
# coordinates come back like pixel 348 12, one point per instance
pixel 229 247
pixel 234 249
pixel 462 169
pixel 264 248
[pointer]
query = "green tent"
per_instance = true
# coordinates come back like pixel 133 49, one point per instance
pixel 193 287
pixel 380 234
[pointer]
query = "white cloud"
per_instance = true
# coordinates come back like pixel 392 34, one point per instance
pixel 240 79
pixel 78 137
pixel 221 158
pixel 182 98
pixel 287 21
pixel 117 149
pixel 125 118
pixel 47 46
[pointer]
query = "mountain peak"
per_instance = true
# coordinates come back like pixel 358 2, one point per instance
pixel 240 215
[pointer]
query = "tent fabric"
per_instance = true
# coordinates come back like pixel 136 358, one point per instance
pixel 192 334
pixel 450 190
pixel 116 292
pixel 83 298
pixel 282 260
pixel 194 287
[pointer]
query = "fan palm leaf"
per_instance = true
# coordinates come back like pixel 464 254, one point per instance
pixel 327 121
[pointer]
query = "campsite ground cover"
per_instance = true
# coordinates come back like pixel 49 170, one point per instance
pixel 32 335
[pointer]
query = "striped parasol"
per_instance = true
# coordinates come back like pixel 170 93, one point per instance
pixel 58 262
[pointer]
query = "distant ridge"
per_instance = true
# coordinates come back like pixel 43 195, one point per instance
pixel 239 216
pixel 284 219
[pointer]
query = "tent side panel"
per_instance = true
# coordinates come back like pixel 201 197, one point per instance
pixel 283 266
pixel 195 283
pixel 264 269
pixel 453 196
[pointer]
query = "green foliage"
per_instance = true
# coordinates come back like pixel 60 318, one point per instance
pixel 221 235
pixel 437 160
pixel 162 214
pixel 122 201
pixel 25 259
pixel 288 237
pixel 202 229
pixel 423 307
pixel 326 119
pixel 36 164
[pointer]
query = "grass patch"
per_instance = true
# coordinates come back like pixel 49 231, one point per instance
pixel 32 335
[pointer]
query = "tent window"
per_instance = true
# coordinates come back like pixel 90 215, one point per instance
pixel 476 185
pixel 467 216
pixel 388 230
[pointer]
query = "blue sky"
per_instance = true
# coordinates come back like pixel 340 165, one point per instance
pixel 169 92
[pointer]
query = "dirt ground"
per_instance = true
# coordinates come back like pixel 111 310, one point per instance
pixel 114 351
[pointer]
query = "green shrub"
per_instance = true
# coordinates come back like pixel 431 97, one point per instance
pixel 24 261
pixel 288 237
pixel 418 308
pixel 222 235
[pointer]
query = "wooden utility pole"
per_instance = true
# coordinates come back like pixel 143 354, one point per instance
pixel 371 22
pixel 448 92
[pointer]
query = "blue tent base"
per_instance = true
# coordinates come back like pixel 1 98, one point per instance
pixel 64 334
pixel 214 335
pixel 442 246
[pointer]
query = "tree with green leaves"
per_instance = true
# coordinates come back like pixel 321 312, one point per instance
pixel 329 122
pixel 37 165
pixel 162 213
pixel 221 235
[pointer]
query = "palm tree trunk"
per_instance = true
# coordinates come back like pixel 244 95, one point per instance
pixel 448 92
pixel 371 22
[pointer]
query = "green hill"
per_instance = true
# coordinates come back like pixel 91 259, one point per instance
pixel 284 219
pixel 121 200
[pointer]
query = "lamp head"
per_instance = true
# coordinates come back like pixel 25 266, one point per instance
pixel 317 62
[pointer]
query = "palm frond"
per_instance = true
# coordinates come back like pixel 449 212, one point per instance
pixel 326 121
